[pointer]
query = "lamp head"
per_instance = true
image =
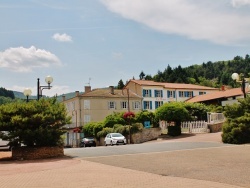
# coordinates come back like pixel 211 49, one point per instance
pixel 27 92
pixel 49 79
pixel 235 76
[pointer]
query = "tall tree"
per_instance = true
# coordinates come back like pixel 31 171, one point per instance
pixel 142 75
pixel 120 84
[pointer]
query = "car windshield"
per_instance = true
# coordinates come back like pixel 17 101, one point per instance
pixel 116 135
pixel 89 138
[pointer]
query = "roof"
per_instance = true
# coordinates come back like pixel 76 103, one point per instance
pixel 171 85
pixel 217 95
pixel 106 92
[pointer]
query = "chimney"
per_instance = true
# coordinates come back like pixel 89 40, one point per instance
pixel 77 93
pixel 87 89
pixel 222 88
pixel 63 97
pixel 112 90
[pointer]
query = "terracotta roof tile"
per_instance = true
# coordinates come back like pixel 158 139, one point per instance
pixel 217 95
pixel 171 85
pixel 118 93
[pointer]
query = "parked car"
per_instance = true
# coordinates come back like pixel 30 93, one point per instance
pixel 114 139
pixel 4 145
pixel 88 142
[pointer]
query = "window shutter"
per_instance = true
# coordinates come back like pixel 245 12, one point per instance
pixel 150 105
pixel 192 93
pixel 174 94
pixel 150 94
pixel 155 92
pixel 156 104
pixel 143 92
pixel 179 93
pixel 144 105
pixel 168 94
pixel 161 93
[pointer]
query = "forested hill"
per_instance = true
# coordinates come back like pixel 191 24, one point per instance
pixel 6 93
pixel 212 74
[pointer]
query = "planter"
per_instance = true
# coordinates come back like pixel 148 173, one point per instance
pixel 30 153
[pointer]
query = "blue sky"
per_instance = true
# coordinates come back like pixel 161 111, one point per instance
pixel 99 42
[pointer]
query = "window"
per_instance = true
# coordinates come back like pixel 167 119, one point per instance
pixel 136 105
pixel 124 105
pixel 111 105
pixel 147 105
pixel 202 93
pixel 86 119
pixel 158 104
pixel 86 104
pixel 185 94
pixel 158 93
pixel 171 94
pixel 146 93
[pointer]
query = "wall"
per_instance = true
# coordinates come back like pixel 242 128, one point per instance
pixel 146 135
pixel 215 127
pixel 30 153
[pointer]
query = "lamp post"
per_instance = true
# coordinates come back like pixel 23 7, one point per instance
pixel 241 78
pixel 48 80
pixel 75 112
pixel 27 92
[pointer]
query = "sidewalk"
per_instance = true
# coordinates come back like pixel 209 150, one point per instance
pixel 80 173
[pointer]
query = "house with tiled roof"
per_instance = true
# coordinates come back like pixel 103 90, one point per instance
pixel 154 94
pixel 221 98
pixel 94 105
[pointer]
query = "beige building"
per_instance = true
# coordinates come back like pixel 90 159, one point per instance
pixel 94 105
pixel 155 94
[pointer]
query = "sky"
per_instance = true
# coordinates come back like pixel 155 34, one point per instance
pixel 99 42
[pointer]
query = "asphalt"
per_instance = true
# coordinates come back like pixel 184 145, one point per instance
pixel 203 168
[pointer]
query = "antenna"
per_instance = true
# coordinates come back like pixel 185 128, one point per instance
pixel 89 82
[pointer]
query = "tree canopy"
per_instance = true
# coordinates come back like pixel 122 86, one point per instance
pixel 36 123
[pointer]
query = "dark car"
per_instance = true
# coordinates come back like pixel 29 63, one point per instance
pixel 88 142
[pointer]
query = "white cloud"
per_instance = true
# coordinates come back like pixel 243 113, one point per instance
pixel 26 59
pixel 239 3
pixel 62 37
pixel 213 21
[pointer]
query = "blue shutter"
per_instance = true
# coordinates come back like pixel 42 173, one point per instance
pixel 168 94
pixel 192 93
pixel 174 94
pixel 150 105
pixel 161 93
pixel 143 92
pixel 150 94
pixel 179 93
pixel 144 105
pixel 156 104
pixel 185 94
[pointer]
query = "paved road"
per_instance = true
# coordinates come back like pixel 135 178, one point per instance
pixel 194 157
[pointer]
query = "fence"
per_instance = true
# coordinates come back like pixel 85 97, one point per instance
pixel 213 118
pixel 194 127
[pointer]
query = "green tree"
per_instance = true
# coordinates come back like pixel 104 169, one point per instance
pixel 115 118
pixel 142 75
pixel 236 129
pixel 120 84
pixel 174 111
pixel 36 123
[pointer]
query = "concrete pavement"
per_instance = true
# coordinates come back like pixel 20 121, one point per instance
pixel 117 172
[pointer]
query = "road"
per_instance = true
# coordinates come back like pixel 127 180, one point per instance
pixel 196 157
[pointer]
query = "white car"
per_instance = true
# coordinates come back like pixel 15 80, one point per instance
pixel 114 139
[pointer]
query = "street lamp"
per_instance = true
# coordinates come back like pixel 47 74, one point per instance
pixel 27 92
pixel 241 78
pixel 48 80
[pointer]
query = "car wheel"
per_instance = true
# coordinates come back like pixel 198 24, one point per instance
pixel 111 143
